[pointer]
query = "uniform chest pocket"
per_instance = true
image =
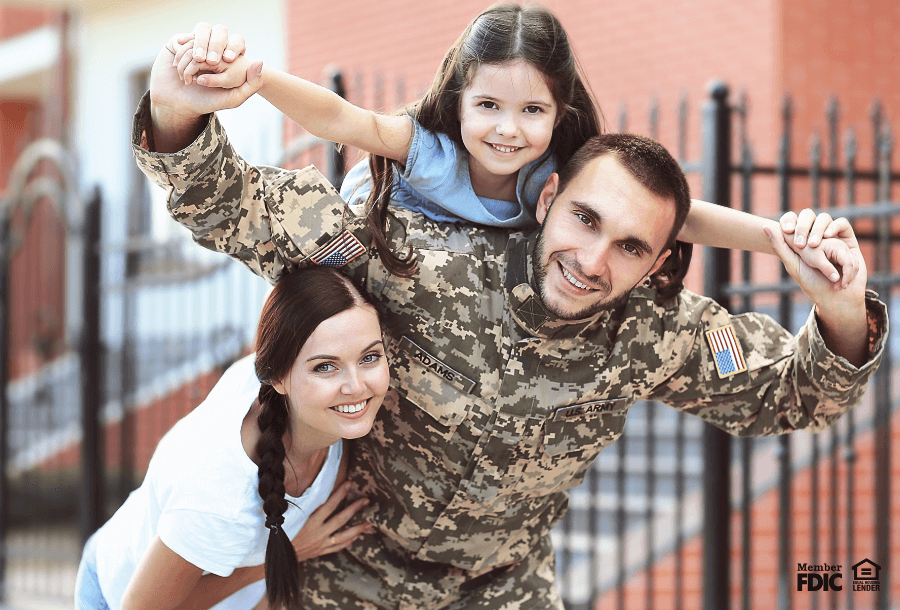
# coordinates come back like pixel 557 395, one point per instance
pixel 533 457
pixel 434 401
pixel 584 426
pixel 431 383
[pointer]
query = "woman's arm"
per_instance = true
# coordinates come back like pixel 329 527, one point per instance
pixel 162 580
pixel 212 589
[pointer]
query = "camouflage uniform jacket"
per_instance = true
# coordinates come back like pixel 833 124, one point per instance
pixel 498 407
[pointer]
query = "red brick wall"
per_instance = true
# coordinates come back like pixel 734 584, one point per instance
pixel 21 124
pixel 37 309
pixel 18 20
pixel 846 48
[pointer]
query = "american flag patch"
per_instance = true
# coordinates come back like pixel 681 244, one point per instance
pixel 726 351
pixel 339 251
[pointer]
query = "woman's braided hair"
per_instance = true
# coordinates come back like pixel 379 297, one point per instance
pixel 299 302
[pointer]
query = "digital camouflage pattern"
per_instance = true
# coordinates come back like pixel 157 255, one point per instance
pixel 383 575
pixel 497 407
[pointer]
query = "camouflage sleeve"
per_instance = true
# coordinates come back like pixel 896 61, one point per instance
pixel 269 219
pixel 748 376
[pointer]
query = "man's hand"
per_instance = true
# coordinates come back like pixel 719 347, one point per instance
pixel 841 312
pixel 320 535
pixel 177 109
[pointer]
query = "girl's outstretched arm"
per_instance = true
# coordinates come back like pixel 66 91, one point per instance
pixel 714 225
pixel 318 110
pixel 329 116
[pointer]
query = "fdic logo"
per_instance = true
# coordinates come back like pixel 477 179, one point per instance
pixel 818 577
pixel 824 577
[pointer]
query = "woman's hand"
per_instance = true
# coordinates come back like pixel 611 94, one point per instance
pixel 322 533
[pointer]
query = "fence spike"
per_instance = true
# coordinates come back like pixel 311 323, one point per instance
pixel 815 162
pixel 876 112
pixel 682 125
pixel 815 148
pixel 850 148
pixel 400 91
pixel 654 118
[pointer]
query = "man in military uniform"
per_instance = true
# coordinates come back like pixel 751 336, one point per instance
pixel 515 356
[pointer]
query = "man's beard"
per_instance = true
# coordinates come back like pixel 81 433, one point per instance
pixel 540 276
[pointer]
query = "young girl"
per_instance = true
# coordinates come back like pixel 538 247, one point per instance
pixel 234 480
pixel 506 108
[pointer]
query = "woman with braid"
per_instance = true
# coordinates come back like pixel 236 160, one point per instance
pixel 252 467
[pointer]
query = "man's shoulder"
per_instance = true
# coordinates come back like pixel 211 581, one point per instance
pixel 685 310
pixel 425 234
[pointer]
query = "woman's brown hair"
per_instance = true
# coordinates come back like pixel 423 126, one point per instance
pixel 298 303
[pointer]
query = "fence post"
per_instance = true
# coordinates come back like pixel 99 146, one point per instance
pixel 5 254
pixel 716 171
pixel 336 153
pixel 93 511
pixel 785 468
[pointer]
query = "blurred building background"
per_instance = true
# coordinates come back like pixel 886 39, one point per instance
pixel 113 325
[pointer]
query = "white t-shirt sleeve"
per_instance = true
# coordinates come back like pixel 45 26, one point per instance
pixel 206 540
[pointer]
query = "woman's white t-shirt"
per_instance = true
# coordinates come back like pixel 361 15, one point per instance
pixel 200 496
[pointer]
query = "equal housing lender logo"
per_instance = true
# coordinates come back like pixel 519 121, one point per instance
pixel 825 577
pixel 866 576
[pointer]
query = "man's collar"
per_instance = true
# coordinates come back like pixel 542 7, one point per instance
pixel 525 304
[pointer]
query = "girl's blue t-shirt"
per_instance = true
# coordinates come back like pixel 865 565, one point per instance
pixel 436 183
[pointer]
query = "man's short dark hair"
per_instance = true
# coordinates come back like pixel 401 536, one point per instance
pixel 657 171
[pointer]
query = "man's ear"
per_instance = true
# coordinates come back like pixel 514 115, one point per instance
pixel 545 199
pixel 659 262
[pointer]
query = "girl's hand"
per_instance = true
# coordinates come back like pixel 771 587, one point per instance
pixel 833 258
pixel 222 76
pixel 320 534
pixel 807 227
pixel 212 43
pixel 830 242
pixel 208 44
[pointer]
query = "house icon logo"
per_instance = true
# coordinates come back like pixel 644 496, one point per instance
pixel 865 576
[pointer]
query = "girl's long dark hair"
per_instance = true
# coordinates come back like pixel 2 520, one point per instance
pixel 502 33
pixel 299 302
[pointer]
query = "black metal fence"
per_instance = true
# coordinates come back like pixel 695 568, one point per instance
pixel 651 527
pixel 85 405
